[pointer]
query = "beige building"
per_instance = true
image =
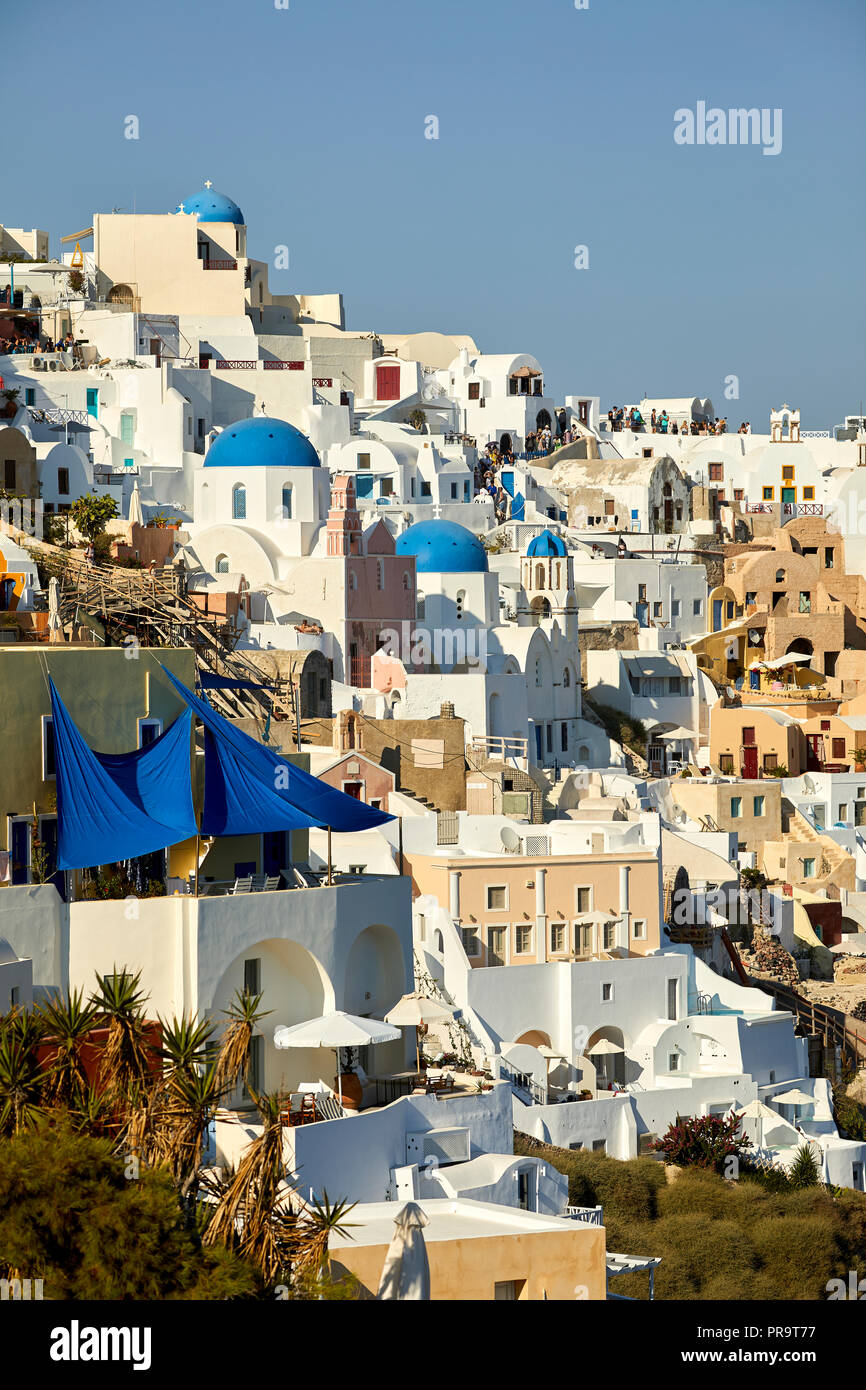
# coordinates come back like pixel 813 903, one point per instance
pixel 524 910
pixel 481 1252
pixel 752 741
pixel 753 814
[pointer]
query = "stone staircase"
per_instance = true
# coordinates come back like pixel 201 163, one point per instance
pixel 832 858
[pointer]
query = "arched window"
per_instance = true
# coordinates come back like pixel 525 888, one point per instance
pixel 239 502
pixel 566 677
pixel 407 581
pixel 461 599
pixel 222 564
pixel 353 579
pixel 539 576
pixel 420 605
pixel 780 576
pixel 287 501
pixel 380 574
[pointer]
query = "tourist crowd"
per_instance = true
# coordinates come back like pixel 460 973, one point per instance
pixel 620 418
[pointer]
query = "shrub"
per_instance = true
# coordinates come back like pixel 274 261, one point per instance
pixel 799 1254
pixel 707 1141
pixel 804 1172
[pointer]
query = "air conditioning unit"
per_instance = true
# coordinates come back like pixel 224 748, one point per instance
pixel 443 1145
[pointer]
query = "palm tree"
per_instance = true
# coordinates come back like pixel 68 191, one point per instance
pixel 20 1086
pixel 235 1054
pixel 67 1024
pixel 126 1068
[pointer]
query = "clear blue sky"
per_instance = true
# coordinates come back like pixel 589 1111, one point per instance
pixel 556 129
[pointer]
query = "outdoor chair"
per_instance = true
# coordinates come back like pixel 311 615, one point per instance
pixel 243 885
pixel 271 883
pixel 301 1109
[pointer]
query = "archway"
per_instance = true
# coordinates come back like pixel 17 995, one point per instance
pixel 800 646
pixel 505 444
pixel 375 979
pixel 494 715
pixel 609 1066
pixel 535 1038
pixel 543 420
pixel 295 987
pixel 539 609
pixel 120 294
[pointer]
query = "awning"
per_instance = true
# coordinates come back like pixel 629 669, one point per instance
pixel 678 733
pixel 789 659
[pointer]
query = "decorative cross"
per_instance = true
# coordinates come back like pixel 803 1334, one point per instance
pixel 437 510
pixel 208 184
pixel 181 208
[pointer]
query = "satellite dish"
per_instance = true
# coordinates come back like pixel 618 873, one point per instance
pixel 809 786
pixel 510 840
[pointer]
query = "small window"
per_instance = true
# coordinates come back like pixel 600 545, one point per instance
pixel 771 762
pixel 471 941
pixel 726 762
pixel 808 868
pixel 599 1146
pixel 609 935
pixel 222 564
pixel 49 765
pixel 9 475
pixel 697 607
pixel 63 482
pixel 808 494
pixel 497 899
pixel 363 460
pixel 766 494
pixel 523 940
pixel 788 473
pixel 641 593
pixel 828 557
pixel 638 929
pixel 557 938
pixel 420 605
pixel 149 731
pixel 380 574
pixel 607 993
pixel 239 502
pixel 287 501
pixel 675 608
pixel 758 805
pixel 29 395
pixel 453 492
pixel 608 506
pixel 736 807
pixel 657 610
pixel 673 1061
pixel 583 900
pixel 717 472
pixel 253 976
pixel 474 390
pixel 838 747
pixel 843 811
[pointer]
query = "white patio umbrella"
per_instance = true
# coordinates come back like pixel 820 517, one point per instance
pixel 55 625
pixel 136 515
pixel 759 1113
pixel 406 1272
pixel 336 1030
pixel 414 1009
pixel 795 1098
pixel 604 1048
pixel 25 601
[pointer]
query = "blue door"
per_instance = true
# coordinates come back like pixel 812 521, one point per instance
pixel 93 401
pixel 274 855
pixel 754 680
pixel 717 614
pixel 539 750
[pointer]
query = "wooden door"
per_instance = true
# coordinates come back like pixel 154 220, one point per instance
pixel 750 761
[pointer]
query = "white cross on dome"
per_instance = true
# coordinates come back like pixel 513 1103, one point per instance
pixel 208 184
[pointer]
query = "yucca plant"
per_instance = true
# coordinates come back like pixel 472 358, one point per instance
pixel 190 1102
pixel 67 1022
pixel 235 1054
pixel 186 1043
pixel 127 1057
pixel 804 1171
pixel 253 1216
pixel 319 1220
pixel 20 1086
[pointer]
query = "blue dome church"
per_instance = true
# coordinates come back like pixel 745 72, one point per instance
pixel 456 590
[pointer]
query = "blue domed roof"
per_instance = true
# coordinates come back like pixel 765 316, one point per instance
pixel 211 206
pixel 547 544
pixel 443 547
pixel 261 443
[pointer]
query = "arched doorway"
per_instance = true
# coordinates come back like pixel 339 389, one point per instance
pixel 535 1038
pixel 120 294
pixel 609 1064
pixel 543 420
pixel 801 646
pixel 539 609
pixel 295 987
pixel 505 444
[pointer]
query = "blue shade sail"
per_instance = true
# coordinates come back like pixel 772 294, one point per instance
pixel 116 806
pixel 248 789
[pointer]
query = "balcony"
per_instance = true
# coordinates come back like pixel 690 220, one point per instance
pixel 219 265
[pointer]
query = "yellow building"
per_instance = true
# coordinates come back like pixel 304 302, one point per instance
pixel 481 1252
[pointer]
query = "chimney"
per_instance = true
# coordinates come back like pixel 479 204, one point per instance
pixel 446 710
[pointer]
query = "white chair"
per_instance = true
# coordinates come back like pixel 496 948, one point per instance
pixel 243 885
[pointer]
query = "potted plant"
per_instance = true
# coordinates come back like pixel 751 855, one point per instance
pixel 859 756
pixel 10 395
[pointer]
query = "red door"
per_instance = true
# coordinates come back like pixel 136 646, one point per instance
pixel 750 761
pixel 388 383
pixel 814 752
pixel 353 789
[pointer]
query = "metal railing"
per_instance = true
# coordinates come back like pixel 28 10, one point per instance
pixel 522 1084
pixel 590 1216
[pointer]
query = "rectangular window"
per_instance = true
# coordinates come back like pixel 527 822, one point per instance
pixel 607 994
pixel 675 608
pixel 583 900
pixel 808 494
pixel 608 506
pixel 557 938
pixel 736 807
pixel 257 1063
pixel 253 976
pixel 788 473
pixel 453 492
pixel 363 460
pixel 583 938
pixel 497 899
pixel 474 390
pixel 805 601
pixel 609 936
pixel 149 731
pixel 49 766
pixel 726 762
pixel 717 472
pixel 767 494
pixel 843 811
pixel 738 494
pixel 749 736
pixel 641 593
pixel 673 1061
pixel 563 736
pixel 425 488
pixel 9 475
pixel 838 747
pixel 808 868
pixel 771 762
pixel 697 607
pixel 522 940
pixel 657 610
pixel 63 481
pixel 386 487
pixel 471 942
pixel 758 805
pixel 828 557
pixel 638 929
pixel 675 685
pixel 29 395
pixel 508 1290
pixel 599 1146
pixel 672 998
